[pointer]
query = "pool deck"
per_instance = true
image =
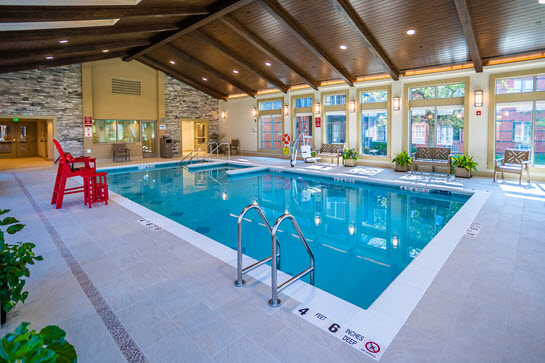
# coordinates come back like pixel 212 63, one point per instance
pixel 120 290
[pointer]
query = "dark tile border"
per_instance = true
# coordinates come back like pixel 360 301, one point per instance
pixel 120 335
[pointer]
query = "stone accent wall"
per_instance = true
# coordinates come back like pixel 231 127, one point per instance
pixel 50 91
pixel 183 101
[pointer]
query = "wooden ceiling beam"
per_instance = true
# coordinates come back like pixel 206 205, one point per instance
pixel 178 53
pixel 243 62
pixel 284 18
pixel 215 12
pixel 68 49
pixel 60 62
pixel 268 49
pixel 353 19
pixel 9 14
pixel 467 26
pixel 48 34
pixel 180 77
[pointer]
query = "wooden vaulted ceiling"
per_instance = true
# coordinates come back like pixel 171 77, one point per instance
pixel 271 44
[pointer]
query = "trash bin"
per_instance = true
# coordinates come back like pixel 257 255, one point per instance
pixel 166 148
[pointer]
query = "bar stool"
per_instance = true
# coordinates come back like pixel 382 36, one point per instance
pixel 95 188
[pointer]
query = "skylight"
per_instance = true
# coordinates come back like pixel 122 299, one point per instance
pixel 56 24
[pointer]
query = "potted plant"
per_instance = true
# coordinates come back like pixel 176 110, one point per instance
pixel 402 161
pixel 14 261
pixel 462 165
pixel 49 345
pixel 350 156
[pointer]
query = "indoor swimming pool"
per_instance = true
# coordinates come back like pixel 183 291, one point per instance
pixel 362 235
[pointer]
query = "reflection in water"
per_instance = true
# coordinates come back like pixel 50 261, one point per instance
pixel 362 237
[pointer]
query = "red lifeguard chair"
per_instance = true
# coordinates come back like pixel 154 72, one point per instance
pixel 94 186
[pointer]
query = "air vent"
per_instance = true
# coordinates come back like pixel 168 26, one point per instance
pixel 126 86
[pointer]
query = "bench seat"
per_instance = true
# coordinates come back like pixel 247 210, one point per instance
pixel 432 156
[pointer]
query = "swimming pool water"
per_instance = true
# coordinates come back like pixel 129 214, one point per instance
pixel 362 236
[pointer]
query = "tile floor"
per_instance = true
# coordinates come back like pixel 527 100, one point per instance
pixel 487 303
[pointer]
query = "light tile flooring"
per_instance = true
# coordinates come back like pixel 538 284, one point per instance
pixel 487 304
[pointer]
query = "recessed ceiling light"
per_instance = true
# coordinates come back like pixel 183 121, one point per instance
pixel 49 57
pixel 343 47
pixel 235 71
pixel 411 31
pixel 541 1
pixel 105 51
pixel 204 79
pixel 172 62
pixel 63 41
pixel 268 64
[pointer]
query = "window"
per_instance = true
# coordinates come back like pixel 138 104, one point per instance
pixel 128 131
pixel 419 134
pixel 514 85
pixel 374 125
pixel 439 91
pixel 374 96
pixel 335 124
pixel 445 135
pixel 271 132
pixel 303 121
pixel 270 105
pixel 519 121
pixel 334 100
pixel 303 102
pixel 104 131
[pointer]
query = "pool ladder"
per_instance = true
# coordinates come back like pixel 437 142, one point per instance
pixel 275 251
pixel 195 153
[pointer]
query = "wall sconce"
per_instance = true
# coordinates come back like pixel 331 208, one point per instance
pixel 352 106
pixel 285 110
pixel 317 108
pixel 396 103
pixel 223 114
pixel 254 112
pixel 479 98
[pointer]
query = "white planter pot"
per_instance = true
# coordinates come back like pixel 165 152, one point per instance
pixel 402 168
pixel 349 162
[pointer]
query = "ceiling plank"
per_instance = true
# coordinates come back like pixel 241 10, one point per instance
pixel 210 70
pixel 10 14
pixel 61 50
pixel 355 22
pixel 60 62
pixel 67 33
pixel 284 18
pixel 180 77
pixel 465 20
pixel 268 49
pixel 243 62
pixel 187 26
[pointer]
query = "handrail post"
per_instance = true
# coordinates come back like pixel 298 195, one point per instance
pixel 240 282
pixel 274 301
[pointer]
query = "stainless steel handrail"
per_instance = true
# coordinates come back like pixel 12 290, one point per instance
pixel 275 301
pixel 216 149
pixel 240 271
pixel 191 153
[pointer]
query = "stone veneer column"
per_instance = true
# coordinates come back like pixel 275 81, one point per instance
pixel 183 101
pixel 52 92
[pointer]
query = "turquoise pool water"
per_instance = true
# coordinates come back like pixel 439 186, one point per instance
pixel 362 236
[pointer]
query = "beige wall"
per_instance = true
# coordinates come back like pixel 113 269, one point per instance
pixel 100 103
pixel 239 119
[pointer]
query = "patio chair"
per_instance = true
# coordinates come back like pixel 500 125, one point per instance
pixel 121 151
pixel 234 146
pixel 514 161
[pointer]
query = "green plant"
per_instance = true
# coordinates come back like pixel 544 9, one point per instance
pixel 14 261
pixel 350 154
pixel 402 159
pixel 46 346
pixel 463 161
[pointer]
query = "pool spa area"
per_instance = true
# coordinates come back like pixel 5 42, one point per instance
pixel 272 181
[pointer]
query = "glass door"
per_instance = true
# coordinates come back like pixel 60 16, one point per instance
pixel 26 137
pixel 7 142
pixel 200 133
pixel 148 139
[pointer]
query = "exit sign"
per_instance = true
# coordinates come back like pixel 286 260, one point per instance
pixel 15 119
